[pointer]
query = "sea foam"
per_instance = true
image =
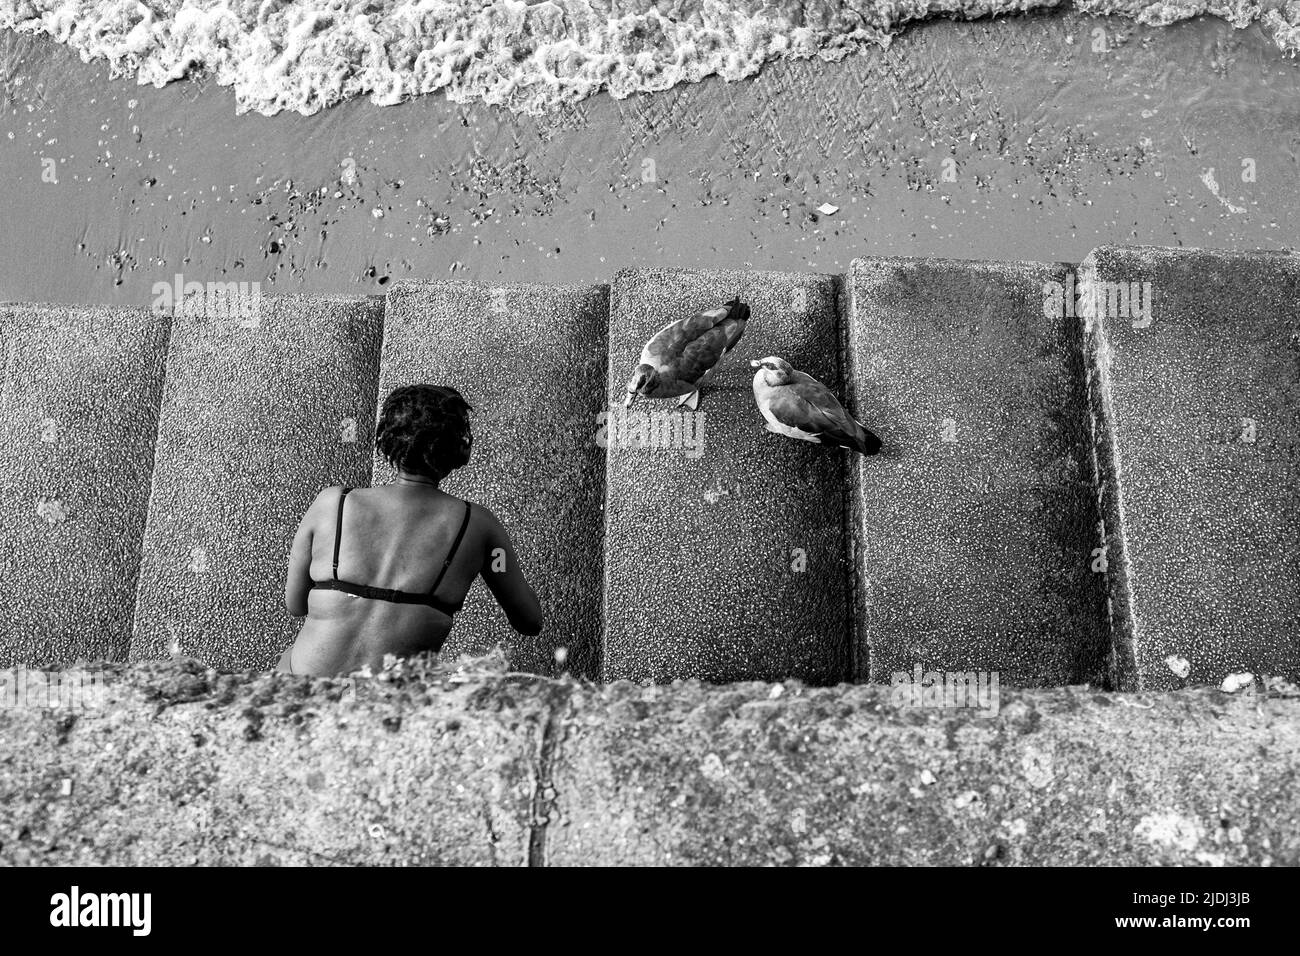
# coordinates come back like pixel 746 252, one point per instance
pixel 305 55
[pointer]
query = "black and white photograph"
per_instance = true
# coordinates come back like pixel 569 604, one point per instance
pixel 646 433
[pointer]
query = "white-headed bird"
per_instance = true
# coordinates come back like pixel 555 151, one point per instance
pixel 683 355
pixel 798 406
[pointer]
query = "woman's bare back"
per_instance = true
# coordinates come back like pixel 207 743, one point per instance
pixel 393 536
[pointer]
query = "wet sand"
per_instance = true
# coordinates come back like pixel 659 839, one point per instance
pixel 997 139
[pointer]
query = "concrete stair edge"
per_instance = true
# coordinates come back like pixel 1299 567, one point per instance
pixel 1108 475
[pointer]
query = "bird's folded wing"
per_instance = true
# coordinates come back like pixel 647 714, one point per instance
pixel 810 407
pixel 701 355
pixel 698 324
pixel 668 342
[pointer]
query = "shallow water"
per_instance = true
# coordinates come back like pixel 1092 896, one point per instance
pixel 993 139
pixel 529 55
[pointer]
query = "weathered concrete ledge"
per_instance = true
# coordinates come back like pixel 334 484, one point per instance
pixel 472 765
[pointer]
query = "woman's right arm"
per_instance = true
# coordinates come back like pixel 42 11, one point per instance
pixel 505 579
pixel 297 583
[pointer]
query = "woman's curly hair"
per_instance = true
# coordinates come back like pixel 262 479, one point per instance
pixel 424 429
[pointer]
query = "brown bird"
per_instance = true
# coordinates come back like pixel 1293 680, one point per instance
pixel 683 356
pixel 798 406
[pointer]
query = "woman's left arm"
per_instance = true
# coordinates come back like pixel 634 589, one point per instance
pixel 298 581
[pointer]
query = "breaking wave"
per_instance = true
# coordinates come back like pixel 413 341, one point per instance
pixel 305 55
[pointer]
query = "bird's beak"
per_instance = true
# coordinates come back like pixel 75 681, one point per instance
pixel 631 397
pixel 755 363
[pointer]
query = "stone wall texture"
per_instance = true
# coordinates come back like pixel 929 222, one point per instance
pixel 474 765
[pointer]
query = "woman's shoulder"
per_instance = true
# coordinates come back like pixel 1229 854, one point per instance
pixel 329 496
pixel 480 515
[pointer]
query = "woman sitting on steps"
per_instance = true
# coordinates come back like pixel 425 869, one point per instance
pixel 422 545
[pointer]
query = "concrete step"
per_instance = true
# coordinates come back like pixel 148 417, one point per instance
pixel 976 525
pixel 725 560
pixel 78 412
pixel 530 359
pixel 261 410
pixel 976 538
pixel 1196 389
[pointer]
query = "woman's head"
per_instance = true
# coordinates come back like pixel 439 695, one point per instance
pixel 424 430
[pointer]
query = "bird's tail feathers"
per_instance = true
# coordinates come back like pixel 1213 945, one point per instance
pixel 734 324
pixel 868 442
pixel 857 437
pixel 737 310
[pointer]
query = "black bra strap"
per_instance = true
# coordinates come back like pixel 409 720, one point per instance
pixel 338 533
pixel 455 545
